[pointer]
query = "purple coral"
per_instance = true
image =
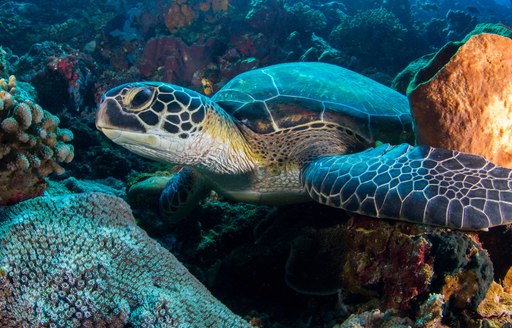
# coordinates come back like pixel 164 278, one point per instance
pixel 32 144
pixel 80 260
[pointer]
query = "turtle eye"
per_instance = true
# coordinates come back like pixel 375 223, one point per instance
pixel 141 97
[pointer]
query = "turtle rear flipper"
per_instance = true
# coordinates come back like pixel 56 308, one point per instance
pixel 182 193
pixel 417 184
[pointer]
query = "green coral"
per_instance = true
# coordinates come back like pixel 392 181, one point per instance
pixel 80 260
pixel 32 144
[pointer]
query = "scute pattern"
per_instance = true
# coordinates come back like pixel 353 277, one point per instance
pixel 417 184
pixel 174 109
pixel 287 95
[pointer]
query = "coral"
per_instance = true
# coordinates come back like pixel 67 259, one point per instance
pixel 398 264
pixel 431 312
pixel 29 22
pixel 80 260
pixel 375 319
pixel 496 307
pixel 469 94
pixel 392 257
pixel 460 287
pixel 169 59
pixel 183 13
pixel 32 144
pixel 61 75
pixel 459 24
pixel 374 37
pixel 265 15
pixel 305 18
pixel 430 317
pixel 179 14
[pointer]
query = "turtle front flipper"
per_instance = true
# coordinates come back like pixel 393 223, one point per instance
pixel 417 184
pixel 182 193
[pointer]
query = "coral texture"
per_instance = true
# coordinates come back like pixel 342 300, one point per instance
pixel 80 260
pixel 399 263
pixel 469 96
pixel 32 145
pixel 496 307
pixel 375 38
pixel 183 13
pixel 171 60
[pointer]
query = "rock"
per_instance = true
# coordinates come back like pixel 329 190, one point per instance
pixel 470 95
pixel 396 264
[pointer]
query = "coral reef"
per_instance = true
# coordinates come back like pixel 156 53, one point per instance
pixel 28 22
pixel 169 59
pixel 179 14
pixel 63 76
pixel 399 263
pixel 459 24
pixel 428 277
pixel 32 144
pixel 469 95
pixel 496 307
pixel 72 51
pixel 380 40
pixel 81 261
pixel 309 19
pixel 183 13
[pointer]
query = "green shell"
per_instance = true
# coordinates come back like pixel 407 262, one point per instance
pixel 287 95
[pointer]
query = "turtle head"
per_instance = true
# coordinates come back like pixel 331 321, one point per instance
pixel 172 124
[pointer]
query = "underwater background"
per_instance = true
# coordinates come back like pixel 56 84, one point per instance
pixel 303 265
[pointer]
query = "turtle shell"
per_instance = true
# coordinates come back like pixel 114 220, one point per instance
pixel 285 96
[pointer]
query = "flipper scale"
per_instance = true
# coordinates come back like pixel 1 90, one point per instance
pixel 418 184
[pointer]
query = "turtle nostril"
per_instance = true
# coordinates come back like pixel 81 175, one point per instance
pixel 102 100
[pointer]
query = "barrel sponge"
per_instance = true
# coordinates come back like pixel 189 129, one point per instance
pixel 80 261
pixel 32 144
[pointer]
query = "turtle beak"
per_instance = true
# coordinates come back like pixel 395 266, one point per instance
pixel 100 114
pixel 111 117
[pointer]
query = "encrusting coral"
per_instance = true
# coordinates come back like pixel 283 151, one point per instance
pixel 32 145
pixel 80 261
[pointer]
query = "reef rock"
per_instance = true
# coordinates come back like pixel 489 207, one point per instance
pixel 470 95
pixel 397 264
pixel 81 261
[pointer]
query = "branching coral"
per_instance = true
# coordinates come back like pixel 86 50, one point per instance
pixel 80 261
pixel 32 145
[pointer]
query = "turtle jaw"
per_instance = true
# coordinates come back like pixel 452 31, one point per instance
pixel 126 138
pixel 147 145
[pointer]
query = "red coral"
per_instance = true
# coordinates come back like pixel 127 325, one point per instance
pixel 67 67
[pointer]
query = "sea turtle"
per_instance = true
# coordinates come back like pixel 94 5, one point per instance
pixel 299 131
